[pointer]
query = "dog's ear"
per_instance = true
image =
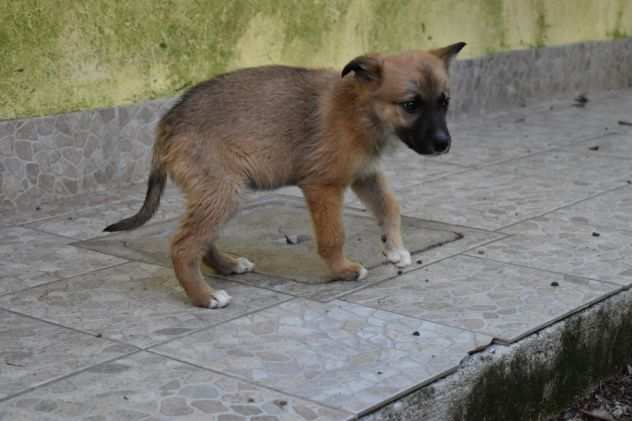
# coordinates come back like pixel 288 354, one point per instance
pixel 366 68
pixel 447 54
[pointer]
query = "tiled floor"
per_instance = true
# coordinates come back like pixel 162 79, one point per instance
pixel 525 222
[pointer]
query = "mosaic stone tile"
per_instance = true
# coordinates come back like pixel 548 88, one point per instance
pixel 563 245
pixel 347 356
pixel 137 133
pixel 29 258
pixel 33 352
pixel 134 303
pixel 59 156
pixel 150 387
pixel 490 198
pixel 496 299
pixel 89 223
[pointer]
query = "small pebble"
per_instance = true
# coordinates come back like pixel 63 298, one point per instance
pixel 555 284
pixel 416 333
pixel 280 403
pixel 595 234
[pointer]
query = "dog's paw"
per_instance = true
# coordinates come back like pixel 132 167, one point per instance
pixel 400 257
pixel 354 272
pixel 243 266
pixel 220 299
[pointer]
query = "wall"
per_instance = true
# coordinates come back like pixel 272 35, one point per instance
pixel 60 56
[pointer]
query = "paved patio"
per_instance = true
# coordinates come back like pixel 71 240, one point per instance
pixel 524 223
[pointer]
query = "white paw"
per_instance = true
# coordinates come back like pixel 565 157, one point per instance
pixel 244 265
pixel 363 273
pixel 220 299
pixel 401 257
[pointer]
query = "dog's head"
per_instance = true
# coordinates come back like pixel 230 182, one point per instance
pixel 409 94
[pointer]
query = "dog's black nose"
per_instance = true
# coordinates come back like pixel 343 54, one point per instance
pixel 441 141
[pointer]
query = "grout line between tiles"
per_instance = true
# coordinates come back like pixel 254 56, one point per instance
pixel 66 376
pixel 2 295
pixel 594 196
pixel 587 278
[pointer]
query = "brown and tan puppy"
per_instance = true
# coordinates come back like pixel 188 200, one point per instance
pixel 274 126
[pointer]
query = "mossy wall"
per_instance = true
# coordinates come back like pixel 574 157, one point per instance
pixel 65 55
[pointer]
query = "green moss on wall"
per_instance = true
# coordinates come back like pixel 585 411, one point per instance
pixel 60 56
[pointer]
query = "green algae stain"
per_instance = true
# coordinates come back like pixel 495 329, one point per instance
pixel 60 56
pixel 528 387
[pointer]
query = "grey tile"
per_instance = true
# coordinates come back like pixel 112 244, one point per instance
pixel 56 207
pixel 497 299
pixel 609 210
pixel 489 199
pixel 151 387
pixel 563 245
pixel 29 258
pixel 33 352
pixel 135 303
pixel 341 354
pixel 89 223
pixel 577 168
pixel 619 146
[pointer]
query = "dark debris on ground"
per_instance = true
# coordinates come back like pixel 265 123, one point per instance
pixel 609 401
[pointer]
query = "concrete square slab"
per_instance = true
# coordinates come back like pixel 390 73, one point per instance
pixel 344 355
pixel 33 352
pixel 326 292
pixel 147 386
pixel 29 258
pixel 490 198
pixel 266 243
pixel 496 299
pixel 569 247
pixel 135 303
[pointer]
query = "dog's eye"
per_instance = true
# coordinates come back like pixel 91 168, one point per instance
pixel 444 101
pixel 410 106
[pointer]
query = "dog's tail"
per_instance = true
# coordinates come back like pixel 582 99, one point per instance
pixel 155 187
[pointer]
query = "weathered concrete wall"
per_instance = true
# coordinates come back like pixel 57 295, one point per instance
pixel 60 56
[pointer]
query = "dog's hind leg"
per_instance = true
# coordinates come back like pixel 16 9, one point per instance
pixel 375 195
pixel 226 264
pixel 207 210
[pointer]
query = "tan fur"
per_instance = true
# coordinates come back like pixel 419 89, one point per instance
pixel 269 127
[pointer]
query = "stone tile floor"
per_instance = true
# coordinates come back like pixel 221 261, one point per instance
pixel 525 222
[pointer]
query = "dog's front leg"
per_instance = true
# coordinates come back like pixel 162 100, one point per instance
pixel 374 193
pixel 325 205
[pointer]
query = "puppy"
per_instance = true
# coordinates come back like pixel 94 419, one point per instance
pixel 274 126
